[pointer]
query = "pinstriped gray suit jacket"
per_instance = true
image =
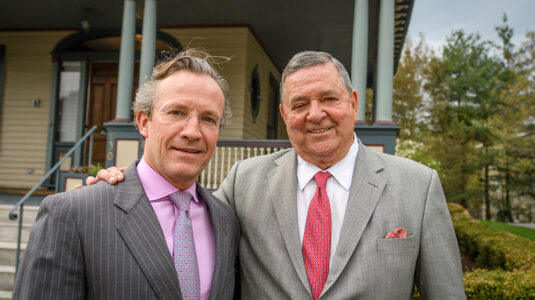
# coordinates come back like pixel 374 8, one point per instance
pixel 105 242
pixel 387 192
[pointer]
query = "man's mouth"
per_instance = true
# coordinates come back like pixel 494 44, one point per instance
pixel 187 150
pixel 319 130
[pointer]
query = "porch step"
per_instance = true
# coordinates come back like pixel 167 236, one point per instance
pixel 4 295
pixel 7 278
pixel 29 214
pixel 8 251
pixel 9 232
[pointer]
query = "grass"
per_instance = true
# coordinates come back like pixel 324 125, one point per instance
pixel 516 230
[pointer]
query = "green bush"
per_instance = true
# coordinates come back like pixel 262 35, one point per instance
pixel 498 284
pixel 491 247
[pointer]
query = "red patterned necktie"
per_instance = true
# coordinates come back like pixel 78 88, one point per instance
pixel 317 238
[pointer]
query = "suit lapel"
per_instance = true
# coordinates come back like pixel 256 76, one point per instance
pixel 143 236
pixel 220 227
pixel 283 194
pixel 364 194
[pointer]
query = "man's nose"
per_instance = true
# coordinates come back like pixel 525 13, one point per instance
pixel 191 128
pixel 315 112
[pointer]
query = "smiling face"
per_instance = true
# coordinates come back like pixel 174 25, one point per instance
pixel 319 114
pixel 182 131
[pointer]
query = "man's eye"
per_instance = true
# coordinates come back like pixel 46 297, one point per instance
pixel 209 120
pixel 175 112
pixel 298 106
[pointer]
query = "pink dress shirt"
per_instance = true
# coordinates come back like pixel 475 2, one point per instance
pixel 158 189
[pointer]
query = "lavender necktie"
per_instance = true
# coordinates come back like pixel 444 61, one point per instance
pixel 184 254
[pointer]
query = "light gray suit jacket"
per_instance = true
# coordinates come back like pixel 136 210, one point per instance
pixel 105 242
pixel 387 192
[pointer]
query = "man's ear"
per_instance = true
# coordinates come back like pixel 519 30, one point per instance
pixel 355 103
pixel 282 112
pixel 143 123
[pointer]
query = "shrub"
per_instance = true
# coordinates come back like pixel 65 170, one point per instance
pixel 493 248
pixel 498 284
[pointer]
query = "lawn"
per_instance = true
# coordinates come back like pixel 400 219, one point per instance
pixel 517 230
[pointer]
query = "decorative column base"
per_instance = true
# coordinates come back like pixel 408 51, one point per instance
pixel 124 144
pixel 380 137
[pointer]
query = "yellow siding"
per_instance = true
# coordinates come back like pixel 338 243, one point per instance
pixel 24 128
pixel 228 42
pixel 28 75
pixel 256 56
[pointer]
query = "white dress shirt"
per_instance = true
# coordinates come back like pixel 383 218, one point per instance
pixel 337 190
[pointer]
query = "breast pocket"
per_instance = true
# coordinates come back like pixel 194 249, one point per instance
pixel 386 245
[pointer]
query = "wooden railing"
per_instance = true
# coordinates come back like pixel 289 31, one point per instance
pixel 230 151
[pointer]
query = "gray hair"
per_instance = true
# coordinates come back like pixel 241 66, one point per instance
pixel 312 58
pixel 193 60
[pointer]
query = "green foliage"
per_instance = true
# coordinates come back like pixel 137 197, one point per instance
pixel 417 152
pixel 516 230
pixel 491 247
pixel 498 284
pixel 93 170
pixel 510 258
pixel 471 111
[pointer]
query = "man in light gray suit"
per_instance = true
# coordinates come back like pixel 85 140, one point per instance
pixel 332 219
pixel 158 234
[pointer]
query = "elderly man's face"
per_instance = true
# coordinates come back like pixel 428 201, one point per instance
pixel 182 132
pixel 319 114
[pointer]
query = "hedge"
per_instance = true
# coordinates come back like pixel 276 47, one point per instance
pixel 499 284
pixel 509 260
pixel 491 247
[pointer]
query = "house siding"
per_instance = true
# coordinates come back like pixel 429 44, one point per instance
pixel 24 128
pixel 28 75
pixel 256 56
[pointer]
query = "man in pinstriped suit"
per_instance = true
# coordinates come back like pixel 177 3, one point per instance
pixel 116 241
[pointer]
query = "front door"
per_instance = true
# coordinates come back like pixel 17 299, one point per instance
pixel 101 109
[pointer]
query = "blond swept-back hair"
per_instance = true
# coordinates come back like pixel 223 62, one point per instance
pixel 193 60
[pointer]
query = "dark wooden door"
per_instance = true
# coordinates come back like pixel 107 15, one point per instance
pixel 102 102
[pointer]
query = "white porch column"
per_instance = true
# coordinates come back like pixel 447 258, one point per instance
pixel 148 43
pixel 385 64
pixel 126 62
pixel 359 55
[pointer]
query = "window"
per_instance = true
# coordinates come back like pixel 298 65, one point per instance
pixel 69 90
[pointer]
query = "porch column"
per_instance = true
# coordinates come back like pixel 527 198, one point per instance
pixel 359 55
pixel 385 64
pixel 148 43
pixel 126 62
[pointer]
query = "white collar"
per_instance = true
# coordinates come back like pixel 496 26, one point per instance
pixel 342 171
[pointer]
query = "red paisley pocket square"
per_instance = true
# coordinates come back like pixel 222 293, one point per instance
pixel 398 233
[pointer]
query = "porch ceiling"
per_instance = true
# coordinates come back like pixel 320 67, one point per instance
pixel 283 27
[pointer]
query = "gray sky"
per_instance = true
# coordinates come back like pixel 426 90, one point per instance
pixel 436 19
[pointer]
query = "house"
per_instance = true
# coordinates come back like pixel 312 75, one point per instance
pixel 66 66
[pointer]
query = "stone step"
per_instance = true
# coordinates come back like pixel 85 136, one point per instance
pixel 8 251
pixel 7 278
pixel 4 295
pixel 9 232
pixel 29 214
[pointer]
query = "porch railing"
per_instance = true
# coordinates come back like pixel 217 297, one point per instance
pixel 230 151
pixel 20 204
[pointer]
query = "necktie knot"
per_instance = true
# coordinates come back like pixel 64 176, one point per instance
pixel 181 199
pixel 321 178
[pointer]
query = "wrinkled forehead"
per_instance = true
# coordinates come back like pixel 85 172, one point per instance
pixel 319 78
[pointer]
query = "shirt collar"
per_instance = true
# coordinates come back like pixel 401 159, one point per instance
pixel 157 187
pixel 342 171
